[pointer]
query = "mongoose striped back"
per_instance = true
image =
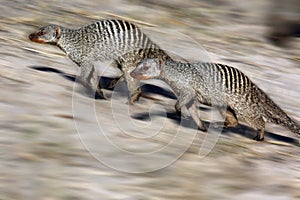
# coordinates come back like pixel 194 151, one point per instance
pixel 218 85
pixel 103 40
pixel 108 39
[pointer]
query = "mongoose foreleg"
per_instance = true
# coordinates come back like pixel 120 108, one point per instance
pixel 185 97
pixel 90 81
pixel 194 113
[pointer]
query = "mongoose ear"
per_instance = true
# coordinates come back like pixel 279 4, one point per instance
pixel 160 61
pixel 58 32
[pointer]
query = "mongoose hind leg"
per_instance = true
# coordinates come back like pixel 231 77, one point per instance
pixel 259 125
pixel 230 118
pixel 133 86
pixel 135 96
pixel 114 82
pixel 259 136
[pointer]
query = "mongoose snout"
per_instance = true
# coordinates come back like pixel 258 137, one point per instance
pixel 35 37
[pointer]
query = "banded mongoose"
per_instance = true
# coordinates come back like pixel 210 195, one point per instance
pixel 104 40
pixel 220 85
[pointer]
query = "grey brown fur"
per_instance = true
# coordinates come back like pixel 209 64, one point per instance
pixel 103 40
pixel 217 85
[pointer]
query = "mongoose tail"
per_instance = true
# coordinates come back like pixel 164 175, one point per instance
pixel 276 115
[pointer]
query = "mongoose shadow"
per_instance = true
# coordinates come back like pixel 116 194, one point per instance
pixel 105 82
pixel 56 71
pixel 248 132
pixel 149 89
pixel 242 130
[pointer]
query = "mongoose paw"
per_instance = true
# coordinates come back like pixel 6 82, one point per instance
pixel 100 95
pixel 257 138
pixel 202 128
pixel 219 125
pixel 130 102
pixel 134 98
pixel 184 113
pixel 229 124
pixel 185 116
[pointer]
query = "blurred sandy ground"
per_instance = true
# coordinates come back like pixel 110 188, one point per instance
pixel 41 153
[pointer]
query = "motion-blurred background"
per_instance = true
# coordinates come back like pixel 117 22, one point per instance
pixel 41 154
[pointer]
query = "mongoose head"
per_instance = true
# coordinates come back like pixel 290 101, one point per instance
pixel 47 34
pixel 147 69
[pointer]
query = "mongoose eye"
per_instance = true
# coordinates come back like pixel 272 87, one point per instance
pixel 42 33
pixel 145 67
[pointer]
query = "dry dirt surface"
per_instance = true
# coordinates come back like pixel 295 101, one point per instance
pixel 56 143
